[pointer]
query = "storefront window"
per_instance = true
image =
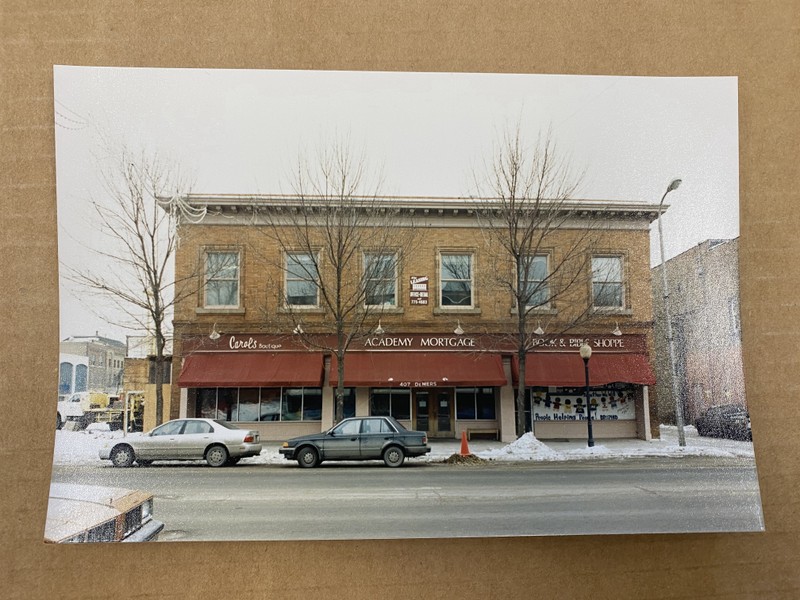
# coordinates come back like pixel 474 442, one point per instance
pixel 260 404
pixel 312 404
pixel 390 402
pixel 248 404
pixel 349 402
pixel 615 402
pixel 475 403
pixel 270 404
pixel 226 404
pixel 292 408
pixel 207 403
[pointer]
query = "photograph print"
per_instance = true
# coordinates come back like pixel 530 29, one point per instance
pixel 316 305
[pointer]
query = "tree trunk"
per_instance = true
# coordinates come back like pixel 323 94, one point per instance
pixel 521 388
pixel 339 412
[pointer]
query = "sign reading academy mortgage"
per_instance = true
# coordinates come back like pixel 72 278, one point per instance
pixel 419 342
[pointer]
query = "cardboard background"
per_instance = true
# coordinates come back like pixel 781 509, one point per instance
pixel 757 41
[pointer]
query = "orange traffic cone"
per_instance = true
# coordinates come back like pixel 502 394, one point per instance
pixel 464 446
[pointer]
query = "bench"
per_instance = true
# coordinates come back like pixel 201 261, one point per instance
pixel 482 431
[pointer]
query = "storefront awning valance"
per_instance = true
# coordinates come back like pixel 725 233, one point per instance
pixel 419 369
pixel 566 369
pixel 252 369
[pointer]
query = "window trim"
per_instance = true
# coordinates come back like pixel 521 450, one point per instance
pixel 548 304
pixel 622 307
pixel 315 261
pixel 207 251
pixel 472 291
pixel 396 278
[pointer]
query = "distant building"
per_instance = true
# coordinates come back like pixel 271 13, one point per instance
pixel 704 309
pixel 91 363
pixel 139 376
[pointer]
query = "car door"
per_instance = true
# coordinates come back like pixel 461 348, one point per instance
pixel 375 433
pixel 161 443
pixel 342 442
pixel 194 440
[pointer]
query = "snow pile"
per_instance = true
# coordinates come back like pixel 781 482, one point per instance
pixel 82 447
pixel 593 452
pixel 525 448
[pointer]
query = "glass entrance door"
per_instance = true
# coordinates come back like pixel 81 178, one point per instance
pixel 434 411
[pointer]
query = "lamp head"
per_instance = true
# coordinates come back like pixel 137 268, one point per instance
pixel 586 351
pixel 674 184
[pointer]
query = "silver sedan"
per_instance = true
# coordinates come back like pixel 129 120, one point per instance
pixel 216 442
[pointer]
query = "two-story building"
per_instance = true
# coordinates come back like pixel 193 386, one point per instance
pixel 703 287
pixel 439 358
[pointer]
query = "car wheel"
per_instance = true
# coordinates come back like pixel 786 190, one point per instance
pixel 308 458
pixel 59 422
pixel 217 456
pixel 393 456
pixel 122 456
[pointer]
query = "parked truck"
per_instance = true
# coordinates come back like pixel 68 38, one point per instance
pixel 83 408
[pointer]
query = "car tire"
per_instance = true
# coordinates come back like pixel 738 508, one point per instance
pixel 217 456
pixel 393 456
pixel 122 456
pixel 307 457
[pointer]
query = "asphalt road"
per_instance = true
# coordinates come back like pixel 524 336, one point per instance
pixel 370 501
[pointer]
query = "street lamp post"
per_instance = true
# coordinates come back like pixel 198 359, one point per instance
pixel 586 354
pixel 675 388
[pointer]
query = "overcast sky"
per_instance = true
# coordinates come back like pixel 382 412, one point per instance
pixel 241 132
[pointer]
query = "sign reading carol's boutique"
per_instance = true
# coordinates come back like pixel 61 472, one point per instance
pixel 244 342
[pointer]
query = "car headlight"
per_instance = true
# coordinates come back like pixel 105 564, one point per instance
pixel 285 444
pixel 147 510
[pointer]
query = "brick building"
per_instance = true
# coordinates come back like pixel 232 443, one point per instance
pixel 706 327
pixel 435 363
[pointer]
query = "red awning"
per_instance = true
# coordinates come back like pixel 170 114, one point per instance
pixel 418 369
pixel 251 369
pixel 566 370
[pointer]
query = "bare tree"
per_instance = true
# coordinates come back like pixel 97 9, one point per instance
pixel 524 209
pixel 340 247
pixel 138 226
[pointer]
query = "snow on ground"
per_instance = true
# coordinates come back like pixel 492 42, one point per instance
pixel 81 447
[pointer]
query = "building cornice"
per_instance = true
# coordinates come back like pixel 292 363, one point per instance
pixel 417 206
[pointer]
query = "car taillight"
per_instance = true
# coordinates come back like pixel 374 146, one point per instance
pixel 249 438
pixel 424 439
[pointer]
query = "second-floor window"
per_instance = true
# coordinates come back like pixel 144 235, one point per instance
pixel 534 281
pixel 301 280
pixel 222 279
pixel 608 289
pixel 456 280
pixel 380 279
